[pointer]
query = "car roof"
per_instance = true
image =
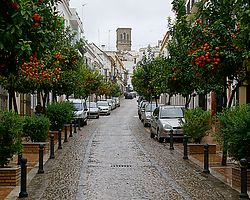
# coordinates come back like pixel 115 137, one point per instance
pixel 172 106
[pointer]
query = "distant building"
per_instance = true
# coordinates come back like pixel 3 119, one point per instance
pixel 123 39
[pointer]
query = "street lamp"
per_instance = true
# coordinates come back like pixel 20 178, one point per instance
pixel 82 10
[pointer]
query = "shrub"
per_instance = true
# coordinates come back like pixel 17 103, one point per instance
pixel 36 128
pixel 234 133
pixel 196 123
pixel 10 136
pixel 59 113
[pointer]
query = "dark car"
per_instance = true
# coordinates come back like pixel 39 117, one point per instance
pixel 128 95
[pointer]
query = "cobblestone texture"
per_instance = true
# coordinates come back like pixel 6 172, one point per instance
pixel 115 158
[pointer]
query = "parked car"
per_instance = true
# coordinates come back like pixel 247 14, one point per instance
pixel 93 110
pixel 81 111
pixel 141 107
pixel 164 119
pixel 128 95
pixel 117 101
pixel 146 113
pixel 111 103
pixel 104 107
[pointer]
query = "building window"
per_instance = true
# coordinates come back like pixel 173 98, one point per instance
pixel 124 36
pixel 127 37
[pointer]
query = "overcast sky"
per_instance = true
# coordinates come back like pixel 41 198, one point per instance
pixel 101 18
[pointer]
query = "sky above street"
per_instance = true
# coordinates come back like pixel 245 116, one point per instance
pixel 101 18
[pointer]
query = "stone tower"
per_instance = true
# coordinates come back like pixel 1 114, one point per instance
pixel 123 39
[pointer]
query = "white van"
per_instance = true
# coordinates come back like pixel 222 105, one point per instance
pixel 81 111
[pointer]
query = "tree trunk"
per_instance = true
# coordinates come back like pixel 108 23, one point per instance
pixel 188 99
pixel 232 96
pixel 169 98
pixel 14 102
pixel 12 99
pixel 202 101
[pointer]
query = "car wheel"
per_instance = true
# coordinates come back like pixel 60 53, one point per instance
pixel 152 135
pixel 144 124
pixel 140 117
pixel 97 117
pixel 81 122
pixel 160 139
pixel 85 122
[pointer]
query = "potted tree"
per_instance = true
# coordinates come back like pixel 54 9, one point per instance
pixel 234 137
pixel 35 130
pixel 196 124
pixel 59 113
pixel 10 144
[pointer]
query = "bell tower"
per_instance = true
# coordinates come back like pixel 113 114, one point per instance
pixel 123 39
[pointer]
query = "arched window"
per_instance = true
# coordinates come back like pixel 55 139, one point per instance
pixel 127 37
pixel 121 37
pixel 124 36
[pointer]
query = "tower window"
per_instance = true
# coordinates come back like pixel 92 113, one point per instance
pixel 124 36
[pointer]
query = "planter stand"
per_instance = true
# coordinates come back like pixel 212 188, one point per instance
pixel 199 149
pixel 10 176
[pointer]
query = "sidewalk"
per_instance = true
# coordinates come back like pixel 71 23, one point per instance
pixel 223 173
pixel 11 192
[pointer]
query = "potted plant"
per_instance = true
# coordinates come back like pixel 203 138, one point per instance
pixel 10 136
pixel 234 136
pixel 196 125
pixel 59 113
pixel 10 144
pixel 35 130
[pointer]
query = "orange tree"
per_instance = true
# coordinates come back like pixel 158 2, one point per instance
pixel 104 88
pixel 115 89
pixel 150 77
pixel 220 49
pixel 180 78
pixel 30 55
pixel 87 81
pixel 217 50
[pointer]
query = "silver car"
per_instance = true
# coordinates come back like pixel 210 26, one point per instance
pixel 147 113
pixel 93 110
pixel 164 119
pixel 104 107
pixel 141 107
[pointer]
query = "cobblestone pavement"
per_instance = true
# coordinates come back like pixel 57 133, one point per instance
pixel 114 158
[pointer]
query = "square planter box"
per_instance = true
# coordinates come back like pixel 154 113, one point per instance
pixel 236 178
pixel 33 147
pixel 199 149
pixel 10 176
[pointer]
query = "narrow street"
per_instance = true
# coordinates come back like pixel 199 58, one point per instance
pixel 114 158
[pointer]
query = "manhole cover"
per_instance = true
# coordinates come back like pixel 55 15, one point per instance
pixel 121 166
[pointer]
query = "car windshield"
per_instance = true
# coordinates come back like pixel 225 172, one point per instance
pixel 143 104
pixel 78 106
pixel 102 103
pixel 171 113
pixel 91 105
pixel 150 107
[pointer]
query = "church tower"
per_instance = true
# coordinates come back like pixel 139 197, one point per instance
pixel 123 39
